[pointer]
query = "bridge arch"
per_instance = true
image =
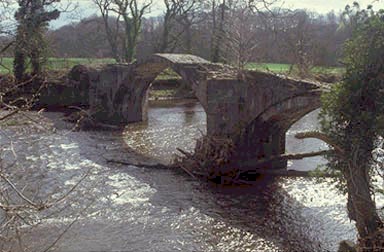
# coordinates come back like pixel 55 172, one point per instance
pixel 118 93
pixel 265 135
pixel 287 112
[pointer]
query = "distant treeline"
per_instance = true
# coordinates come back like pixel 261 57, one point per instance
pixel 283 36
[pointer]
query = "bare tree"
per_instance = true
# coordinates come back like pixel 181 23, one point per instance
pixel 217 28
pixel 189 16
pixel 241 38
pixel 222 22
pixel 132 13
pixel 168 43
pixel 22 206
pixel 111 25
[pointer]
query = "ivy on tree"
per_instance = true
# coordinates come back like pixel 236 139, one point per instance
pixel 32 18
pixel 353 118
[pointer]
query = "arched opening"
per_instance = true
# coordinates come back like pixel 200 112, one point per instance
pixel 264 139
pixel 309 122
pixel 170 85
pixel 175 118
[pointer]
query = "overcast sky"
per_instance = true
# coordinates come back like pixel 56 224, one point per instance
pixel 87 8
pixel 324 6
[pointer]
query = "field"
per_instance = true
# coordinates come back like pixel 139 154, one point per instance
pixel 68 63
pixel 58 63
pixel 286 68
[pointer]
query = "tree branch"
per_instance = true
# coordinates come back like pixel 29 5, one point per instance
pixel 321 136
pixel 254 164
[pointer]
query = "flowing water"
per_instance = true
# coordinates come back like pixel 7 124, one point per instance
pixel 128 208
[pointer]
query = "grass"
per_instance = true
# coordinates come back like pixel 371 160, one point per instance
pixel 58 63
pixel 286 68
pixel 168 74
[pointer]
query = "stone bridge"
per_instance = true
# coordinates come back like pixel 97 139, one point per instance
pixel 255 108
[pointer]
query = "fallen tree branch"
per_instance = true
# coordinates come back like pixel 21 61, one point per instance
pixel 289 173
pixel 188 155
pixel 150 166
pixel 321 136
pixel 187 171
pixel 9 115
pixel 256 163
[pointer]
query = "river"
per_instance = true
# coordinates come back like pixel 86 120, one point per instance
pixel 128 208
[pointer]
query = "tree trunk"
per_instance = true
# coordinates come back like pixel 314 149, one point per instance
pixel 188 36
pixel 214 47
pixel 361 206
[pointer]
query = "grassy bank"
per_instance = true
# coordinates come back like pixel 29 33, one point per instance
pixel 57 63
pixel 286 68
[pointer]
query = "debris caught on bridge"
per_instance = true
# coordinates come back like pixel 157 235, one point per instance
pixel 211 160
pixel 214 159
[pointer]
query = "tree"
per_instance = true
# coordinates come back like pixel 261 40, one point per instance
pixel 168 41
pixel 352 120
pixel 218 31
pixel 131 13
pixel 32 17
pixel 300 40
pixel 241 38
pixel 187 18
pixel 111 30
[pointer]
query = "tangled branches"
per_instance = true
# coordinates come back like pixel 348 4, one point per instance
pixel 22 206
pixel 212 160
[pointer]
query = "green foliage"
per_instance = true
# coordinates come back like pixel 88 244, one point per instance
pixel 352 114
pixel 32 18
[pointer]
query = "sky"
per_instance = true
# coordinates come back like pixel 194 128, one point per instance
pixel 87 8
pixel 324 6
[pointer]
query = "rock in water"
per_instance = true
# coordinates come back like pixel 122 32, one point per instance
pixel 347 246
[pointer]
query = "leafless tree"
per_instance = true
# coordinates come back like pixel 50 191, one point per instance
pixel 131 13
pixel 22 207
pixel 190 16
pixel 222 13
pixel 218 32
pixel 111 25
pixel 241 38
pixel 167 41
pixel 177 12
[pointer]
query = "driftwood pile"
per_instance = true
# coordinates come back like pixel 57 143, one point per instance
pixel 215 159
pixel 212 159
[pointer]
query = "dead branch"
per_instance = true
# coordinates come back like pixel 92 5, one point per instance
pixel 255 163
pixel 289 173
pixel 149 166
pixel 10 114
pixel 321 136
